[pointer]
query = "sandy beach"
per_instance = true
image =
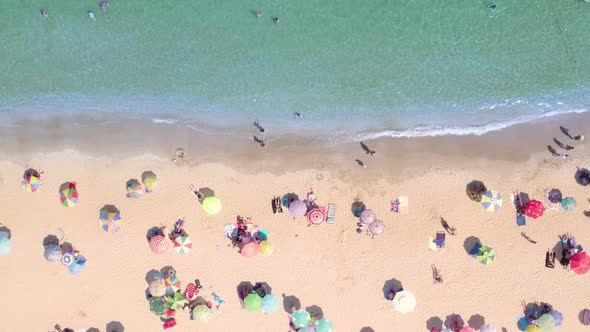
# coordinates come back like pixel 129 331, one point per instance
pixel 330 266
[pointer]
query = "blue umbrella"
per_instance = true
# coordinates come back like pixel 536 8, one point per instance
pixel 557 316
pixel 52 253
pixel 5 245
pixel 270 303
pixel 522 323
pixel 78 265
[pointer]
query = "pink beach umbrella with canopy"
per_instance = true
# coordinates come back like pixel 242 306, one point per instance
pixel 580 262
pixel 249 249
pixel 297 208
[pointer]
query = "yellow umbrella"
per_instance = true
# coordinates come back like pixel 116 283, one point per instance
pixel 265 248
pixel 533 328
pixel 212 205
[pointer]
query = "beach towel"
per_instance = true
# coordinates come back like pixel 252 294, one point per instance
pixel 440 239
pixel 403 207
pixel 432 244
pixel 520 220
pixel 331 213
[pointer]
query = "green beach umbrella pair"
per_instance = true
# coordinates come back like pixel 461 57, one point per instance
pixel 202 313
pixel 212 205
pixel 176 301
pixel 253 302
pixel 158 305
pixel 485 255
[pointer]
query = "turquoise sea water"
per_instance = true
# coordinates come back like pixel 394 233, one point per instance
pixel 370 68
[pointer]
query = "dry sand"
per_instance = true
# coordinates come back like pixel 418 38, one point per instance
pixel 330 266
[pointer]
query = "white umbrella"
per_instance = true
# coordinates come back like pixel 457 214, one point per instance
pixel 377 227
pixel 404 302
pixel 367 216
pixel 488 328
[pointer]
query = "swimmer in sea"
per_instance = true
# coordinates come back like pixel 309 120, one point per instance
pixel 44 13
pixel 104 5
pixel 276 20
pixel 297 115
pixel 91 15
pixel 258 14
pixel 492 6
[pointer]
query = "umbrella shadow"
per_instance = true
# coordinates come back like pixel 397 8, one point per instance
pixel 206 192
pixel 147 174
pixel 30 172
pixel 582 176
pixel 558 250
pixel 168 271
pixel 110 208
pixel 63 187
pixel 434 322
pixel 50 239
pixel 262 288
pixel 67 247
pixel 476 321
pixel 367 329
pixel 290 301
pixel 150 275
pixel 524 198
pixel 315 311
pixel 152 232
pixel 454 322
pixel 114 326
pixel 244 287
pixel 7 230
pixel 357 207
pixel 290 197
pixel 93 329
pixel 470 243
pixel 131 182
pixel 391 284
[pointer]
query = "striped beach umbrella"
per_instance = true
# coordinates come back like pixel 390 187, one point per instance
pixel 265 248
pixel 491 201
pixel 176 301
pixel 580 262
pixel 69 196
pixel 316 216
pixel 569 204
pixel 324 325
pixel 485 255
pixel 110 219
pixel 31 183
pixel 158 305
pixel 300 318
pixel 183 245
pixel 202 313
pixel 172 284
pixel 159 244
pixel 134 189
pixel 212 205
pixel 253 302
pixel 534 209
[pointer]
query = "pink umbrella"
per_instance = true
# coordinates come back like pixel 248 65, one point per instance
pixel 159 244
pixel 534 209
pixel 467 329
pixel 316 216
pixel 249 249
pixel 580 262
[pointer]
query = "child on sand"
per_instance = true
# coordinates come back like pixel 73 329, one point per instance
pixel 436 275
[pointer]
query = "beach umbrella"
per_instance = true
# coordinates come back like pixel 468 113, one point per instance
pixel 110 220
pixel 134 189
pixel 467 329
pixel 212 205
pixel 5 245
pixel 176 301
pixel 367 216
pixel 202 313
pixel 300 318
pixel 250 249
pixel 172 284
pixel 569 204
pixel 252 302
pixel 77 266
pixel 557 316
pixel 158 244
pixel 270 303
pixel 31 183
pixel 491 201
pixel 533 328
pixel 377 227
pixel 157 288
pixel 580 262
pixel 522 323
pixel 324 325
pixel 554 196
pixel 297 208
pixel 534 209
pixel 265 248
pixel 150 183
pixel 485 255
pixel 316 216
pixel 67 259
pixel 183 245
pixel 475 189
pixel 488 328
pixel 69 196
pixel 583 176
pixel 404 302
pixel 585 316
pixel 546 322
pixel 158 305
pixel 52 253
pixel 307 329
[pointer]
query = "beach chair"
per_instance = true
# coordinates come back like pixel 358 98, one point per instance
pixel 331 213
pixel 440 239
pixel 403 207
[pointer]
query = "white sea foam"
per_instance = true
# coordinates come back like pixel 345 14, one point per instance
pixel 166 121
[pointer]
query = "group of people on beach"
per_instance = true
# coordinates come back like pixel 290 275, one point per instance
pixel 565 147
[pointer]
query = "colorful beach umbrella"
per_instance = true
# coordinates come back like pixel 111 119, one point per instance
pixel 176 301
pixel 150 183
pixel 297 208
pixel 557 316
pixel 300 318
pixel 52 253
pixel 533 328
pixel 250 249
pixel 159 244
pixel 569 204
pixel 404 302
pixel 270 303
pixel 158 305
pixel 5 245
pixel 110 220
pixel 183 245
pixel 265 248
pixel 488 328
pixel 485 255
pixel 316 216
pixel 202 313
pixel 367 216
pixel 172 284
pixel 580 262
pixel 134 189
pixel 212 205
pixel 554 196
pixel 534 209
pixel 31 183
pixel 546 322
pixel 157 288
pixel 377 227
pixel 252 302
pixel 69 196
pixel 491 201
pixel 324 325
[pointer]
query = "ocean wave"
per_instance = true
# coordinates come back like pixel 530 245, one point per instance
pixel 166 121
pixel 478 130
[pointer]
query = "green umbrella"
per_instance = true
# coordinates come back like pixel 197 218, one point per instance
pixel 324 325
pixel 202 313
pixel 546 322
pixel 253 302
pixel 569 204
pixel 300 318
pixel 212 205
pixel 485 255
pixel 158 305
pixel 176 301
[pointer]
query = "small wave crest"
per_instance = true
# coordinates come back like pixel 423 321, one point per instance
pixel 166 121
pixel 431 131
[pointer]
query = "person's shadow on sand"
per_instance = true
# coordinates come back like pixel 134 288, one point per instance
pixel 552 150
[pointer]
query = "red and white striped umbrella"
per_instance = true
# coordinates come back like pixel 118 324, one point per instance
pixel 159 244
pixel 316 216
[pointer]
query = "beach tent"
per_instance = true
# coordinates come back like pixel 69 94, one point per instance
pixel 491 201
pixel 300 318
pixel 554 196
pixel 110 219
pixel 5 245
pixel 404 302
pixel 316 216
pixel 377 227
pixel 52 253
pixel 569 204
pixel 534 209
pixel 270 303
pixel 68 194
pixel 158 305
pixel 212 205
pixel 253 302
pixel 202 313
pixel 297 208
pixel 324 325
pixel 265 248
pixel 580 262
pixel 31 183
pixel 485 255
pixel 475 190
pixel 367 216
pixel 134 189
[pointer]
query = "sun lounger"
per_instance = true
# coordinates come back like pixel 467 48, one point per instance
pixel 440 239
pixel 331 213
